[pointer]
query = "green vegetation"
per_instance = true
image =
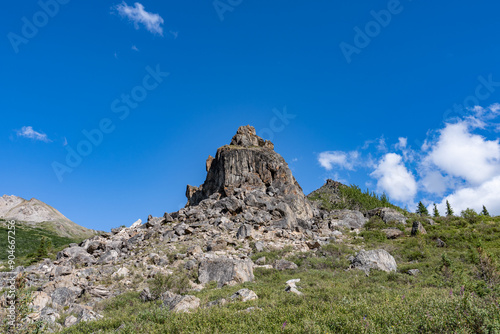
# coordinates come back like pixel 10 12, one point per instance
pixel 485 212
pixel 449 210
pixel 351 197
pixel 457 290
pixel 421 210
pixel 436 211
pixel 32 244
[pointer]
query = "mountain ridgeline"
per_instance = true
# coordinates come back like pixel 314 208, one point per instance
pixel 37 214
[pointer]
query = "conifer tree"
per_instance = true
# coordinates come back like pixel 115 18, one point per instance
pixel 449 210
pixel 485 212
pixel 436 211
pixel 422 210
pixel 41 252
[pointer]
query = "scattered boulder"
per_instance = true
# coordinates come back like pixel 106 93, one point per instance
pixel 291 287
pixel 349 218
pixel 440 243
pixel 76 254
pixel 178 304
pixel 413 272
pixel 217 245
pixel 378 259
pixel 244 295
pixel 393 233
pixel 137 223
pixel 261 260
pixel 245 231
pixel 259 246
pixel 225 270
pixel 63 297
pixel 70 321
pixel 313 244
pixel 284 265
pixel 388 215
pixel 417 228
pixel 49 315
pixel 194 250
pixel 218 302
pixel 146 295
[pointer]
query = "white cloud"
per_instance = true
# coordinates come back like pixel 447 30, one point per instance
pixel 402 142
pixel 462 154
pixel 486 194
pixel 394 178
pixel 380 144
pixel 382 147
pixel 137 14
pixel 28 132
pixel 135 48
pixel 345 160
pixel 435 183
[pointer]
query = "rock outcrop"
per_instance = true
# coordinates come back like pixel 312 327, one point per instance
pixel 249 170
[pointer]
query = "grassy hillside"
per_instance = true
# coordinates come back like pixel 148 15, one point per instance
pixel 27 241
pixel 337 196
pixel 457 290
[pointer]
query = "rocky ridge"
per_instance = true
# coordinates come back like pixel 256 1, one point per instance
pixel 249 202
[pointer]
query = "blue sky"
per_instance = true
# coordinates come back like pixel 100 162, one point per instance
pixel 397 96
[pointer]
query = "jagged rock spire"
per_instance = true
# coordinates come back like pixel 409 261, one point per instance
pixel 250 164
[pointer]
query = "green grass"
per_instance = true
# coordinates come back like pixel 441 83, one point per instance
pixel 27 240
pixel 456 292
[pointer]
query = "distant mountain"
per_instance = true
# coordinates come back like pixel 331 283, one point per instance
pixel 39 214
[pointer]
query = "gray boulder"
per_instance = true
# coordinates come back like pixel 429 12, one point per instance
pixel 225 270
pixel 179 304
pixel 393 233
pixel 378 259
pixel 76 255
pixel 145 295
pixel 244 295
pixel 417 228
pixel 284 265
pixel 349 218
pixel 63 297
pixel 413 272
pixel 388 215
pixel 245 231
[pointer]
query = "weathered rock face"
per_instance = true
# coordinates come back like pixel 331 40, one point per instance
pixel 247 166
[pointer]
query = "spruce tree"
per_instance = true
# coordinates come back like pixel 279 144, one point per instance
pixel 422 210
pixel 384 199
pixel 485 212
pixel 449 210
pixel 436 211
pixel 41 252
